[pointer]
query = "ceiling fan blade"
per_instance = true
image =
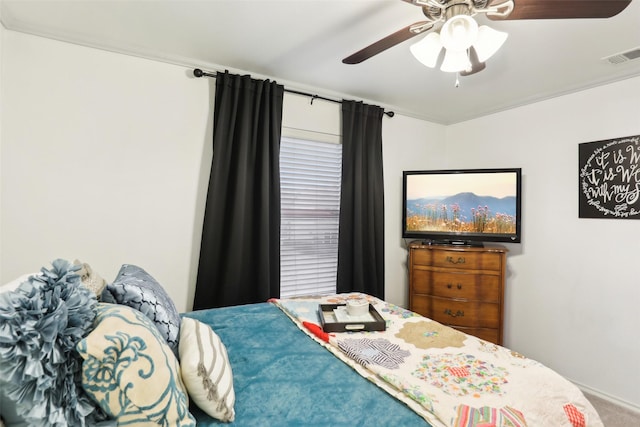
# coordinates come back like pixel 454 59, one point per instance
pixel 391 40
pixel 476 65
pixel 563 9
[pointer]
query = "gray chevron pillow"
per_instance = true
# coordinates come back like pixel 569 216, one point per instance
pixel 135 288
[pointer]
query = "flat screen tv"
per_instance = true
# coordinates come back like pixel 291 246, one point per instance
pixel 462 206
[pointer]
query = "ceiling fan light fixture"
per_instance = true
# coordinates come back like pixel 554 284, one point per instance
pixel 459 37
pixel 455 61
pixel 459 33
pixel 427 50
pixel 489 41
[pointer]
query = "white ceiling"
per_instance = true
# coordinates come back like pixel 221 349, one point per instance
pixel 301 43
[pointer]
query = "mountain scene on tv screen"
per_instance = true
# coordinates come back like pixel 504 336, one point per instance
pixel 463 212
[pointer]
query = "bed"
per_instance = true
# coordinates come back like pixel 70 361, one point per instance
pixel 282 377
pixel 124 356
pixel 451 379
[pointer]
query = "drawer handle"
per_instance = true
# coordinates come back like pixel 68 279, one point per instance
pixel 458 313
pixel 450 285
pixel 460 260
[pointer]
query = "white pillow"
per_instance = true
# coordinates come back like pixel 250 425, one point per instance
pixel 206 371
pixel 90 279
pixel 13 285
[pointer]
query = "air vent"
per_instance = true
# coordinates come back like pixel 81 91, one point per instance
pixel 619 58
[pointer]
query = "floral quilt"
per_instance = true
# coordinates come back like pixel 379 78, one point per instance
pixel 448 377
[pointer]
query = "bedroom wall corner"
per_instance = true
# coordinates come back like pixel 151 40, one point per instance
pixel 572 288
pixel 407 144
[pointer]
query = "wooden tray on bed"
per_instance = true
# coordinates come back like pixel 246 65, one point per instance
pixel 340 321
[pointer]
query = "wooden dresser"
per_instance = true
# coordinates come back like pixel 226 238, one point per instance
pixel 462 287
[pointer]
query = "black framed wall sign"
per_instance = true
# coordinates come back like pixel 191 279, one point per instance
pixel 609 178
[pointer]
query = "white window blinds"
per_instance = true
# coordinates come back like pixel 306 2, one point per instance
pixel 310 176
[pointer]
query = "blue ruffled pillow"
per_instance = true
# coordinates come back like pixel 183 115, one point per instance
pixel 41 322
pixel 135 288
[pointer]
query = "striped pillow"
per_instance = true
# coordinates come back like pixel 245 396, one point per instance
pixel 206 371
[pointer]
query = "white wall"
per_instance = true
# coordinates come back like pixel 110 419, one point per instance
pixel 408 144
pixel 106 158
pixel 573 288
pixel 101 160
pixel 2 31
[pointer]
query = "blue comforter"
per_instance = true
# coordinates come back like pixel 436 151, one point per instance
pixel 284 378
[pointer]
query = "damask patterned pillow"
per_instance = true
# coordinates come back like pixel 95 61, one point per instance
pixel 131 372
pixel 136 288
pixel 206 370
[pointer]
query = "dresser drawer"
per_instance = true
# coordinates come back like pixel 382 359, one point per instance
pixel 461 287
pixel 481 287
pixel 473 314
pixel 467 260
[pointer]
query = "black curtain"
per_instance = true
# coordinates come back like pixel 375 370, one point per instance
pixel 361 238
pixel 240 249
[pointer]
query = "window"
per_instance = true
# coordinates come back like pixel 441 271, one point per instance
pixel 310 176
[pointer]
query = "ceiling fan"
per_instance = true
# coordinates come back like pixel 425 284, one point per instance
pixel 461 46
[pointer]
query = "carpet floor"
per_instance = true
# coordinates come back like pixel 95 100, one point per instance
pixel 613 415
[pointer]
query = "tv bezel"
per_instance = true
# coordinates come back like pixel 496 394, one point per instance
pixel 463 238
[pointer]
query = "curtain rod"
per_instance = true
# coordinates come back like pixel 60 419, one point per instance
pixel 199 73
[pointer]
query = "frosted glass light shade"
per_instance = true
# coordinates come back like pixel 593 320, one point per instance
pixel 456 36
pixel 455 61
pixel 488 42
pixel 427 50
pixel 459 32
